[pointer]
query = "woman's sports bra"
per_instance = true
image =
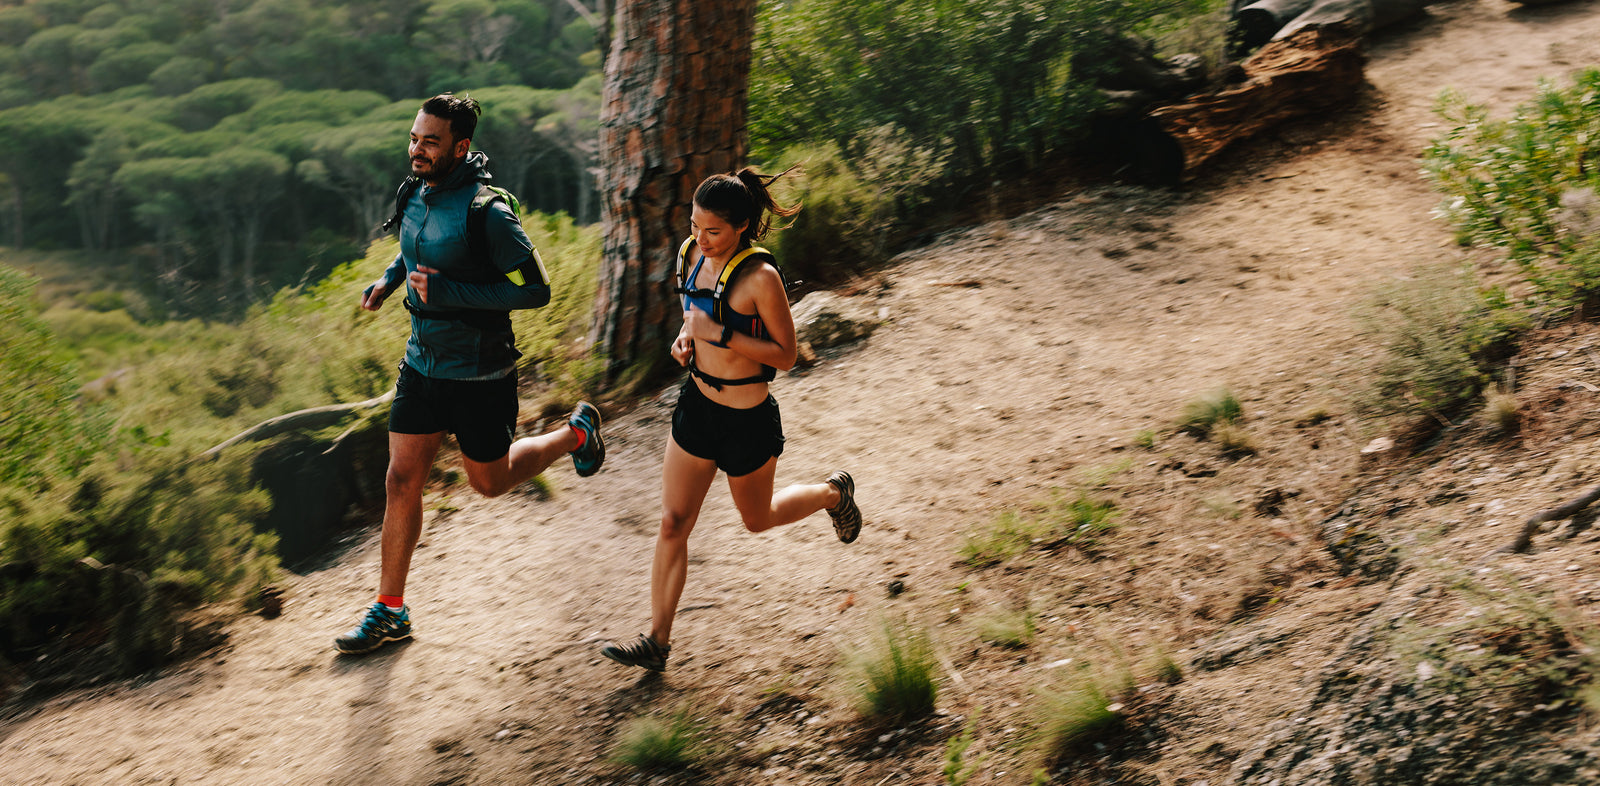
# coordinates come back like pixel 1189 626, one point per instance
pixel 702 299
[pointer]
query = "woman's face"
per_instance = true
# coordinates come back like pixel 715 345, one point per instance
pixel 716 238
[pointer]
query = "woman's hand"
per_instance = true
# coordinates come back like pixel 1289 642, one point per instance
pixel 683 349
pixel 699 324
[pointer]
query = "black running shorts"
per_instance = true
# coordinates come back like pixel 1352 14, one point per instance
pixel 481 413
pixel 740 441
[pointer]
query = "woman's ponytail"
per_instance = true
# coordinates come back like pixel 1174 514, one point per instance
pixel 744 197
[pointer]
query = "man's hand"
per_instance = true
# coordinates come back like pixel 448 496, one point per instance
pixel 372 298
pixel 418 279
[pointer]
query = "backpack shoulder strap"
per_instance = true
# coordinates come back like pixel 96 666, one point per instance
pixel 730 270
pixel 478 217
pixel 683 263
pixel 402 195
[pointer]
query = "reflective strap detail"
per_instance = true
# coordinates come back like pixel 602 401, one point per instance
pixel 534 265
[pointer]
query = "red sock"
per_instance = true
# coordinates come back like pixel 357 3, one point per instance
pixel 583 436
pixel 392 601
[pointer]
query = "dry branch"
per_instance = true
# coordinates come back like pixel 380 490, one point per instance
pixel 1567 511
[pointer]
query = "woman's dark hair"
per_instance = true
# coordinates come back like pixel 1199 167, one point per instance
pixel 743 197
pixel 461 111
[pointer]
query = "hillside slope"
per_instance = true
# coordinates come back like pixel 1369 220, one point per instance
pixel 1018 357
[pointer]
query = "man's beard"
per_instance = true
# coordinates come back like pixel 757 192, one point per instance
pixel 433 171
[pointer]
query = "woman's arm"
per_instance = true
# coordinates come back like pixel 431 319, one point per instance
pixel 777 349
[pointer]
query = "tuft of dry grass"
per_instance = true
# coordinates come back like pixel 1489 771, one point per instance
pixel 1502 413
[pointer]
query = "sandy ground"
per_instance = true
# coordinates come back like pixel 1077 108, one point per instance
pixel 1018 356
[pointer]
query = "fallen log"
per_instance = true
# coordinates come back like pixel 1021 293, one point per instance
pixel 1316 69
pixel 1365 15
pixel 301 420
pixel 1256 24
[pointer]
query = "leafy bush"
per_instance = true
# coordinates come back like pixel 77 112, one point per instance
pixel 855 212
pixel 105 535
pixel 898 107
pixel 41 426
pixel 1527 183
pixel 1441 337
pixel 985 85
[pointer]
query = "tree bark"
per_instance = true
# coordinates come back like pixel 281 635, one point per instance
pixel 674 112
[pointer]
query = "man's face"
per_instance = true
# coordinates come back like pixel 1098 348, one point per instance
pixel 434 150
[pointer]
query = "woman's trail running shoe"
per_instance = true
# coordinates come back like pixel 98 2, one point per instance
pixel 846 516
pixel 644 653
pixel 379 627
pixel 588 458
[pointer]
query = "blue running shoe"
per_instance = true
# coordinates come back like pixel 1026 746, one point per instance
pixel 379 627
pixel 587 459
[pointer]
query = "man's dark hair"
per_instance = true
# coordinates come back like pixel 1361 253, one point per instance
pixel 461 111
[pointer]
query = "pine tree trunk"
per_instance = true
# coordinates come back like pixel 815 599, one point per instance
pixel 675 111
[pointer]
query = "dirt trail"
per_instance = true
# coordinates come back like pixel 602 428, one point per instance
pixel 1095 317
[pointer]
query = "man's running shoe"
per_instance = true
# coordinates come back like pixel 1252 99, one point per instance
pixel 588 458
pixel 846 516
pixel 377 628
pixel 644 653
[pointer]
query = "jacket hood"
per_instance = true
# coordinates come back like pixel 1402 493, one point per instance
pixel 474 168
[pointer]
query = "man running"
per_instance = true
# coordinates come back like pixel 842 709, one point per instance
pixel 465 263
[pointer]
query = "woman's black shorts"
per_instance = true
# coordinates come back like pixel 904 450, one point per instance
pixel 481 413
pixel 740 441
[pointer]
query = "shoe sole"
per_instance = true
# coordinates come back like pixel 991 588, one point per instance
pixel 343 651
pixel 645 666
pixel 599 444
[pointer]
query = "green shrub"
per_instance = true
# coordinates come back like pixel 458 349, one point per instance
pixel 1086 710
pixel 1206 413
pixel 983 85
pixel 1441 336
pixel 1009 628
pixel 895 675
pixel 43 429
pixel 672 743
pixel 957 770
pixel 854 212
pixel 1076 520
pixel 1527 183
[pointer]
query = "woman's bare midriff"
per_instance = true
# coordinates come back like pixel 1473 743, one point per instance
pixel 734 396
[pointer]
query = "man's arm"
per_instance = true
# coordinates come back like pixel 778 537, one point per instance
pixel 373 296
pixel 526 283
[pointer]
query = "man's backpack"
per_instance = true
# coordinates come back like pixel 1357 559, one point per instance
pixel 477 245
pixel 476 212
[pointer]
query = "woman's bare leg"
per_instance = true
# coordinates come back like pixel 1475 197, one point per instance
pixel 762 509
pixel 685 480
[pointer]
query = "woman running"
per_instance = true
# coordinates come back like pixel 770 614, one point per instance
pixel 737 331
